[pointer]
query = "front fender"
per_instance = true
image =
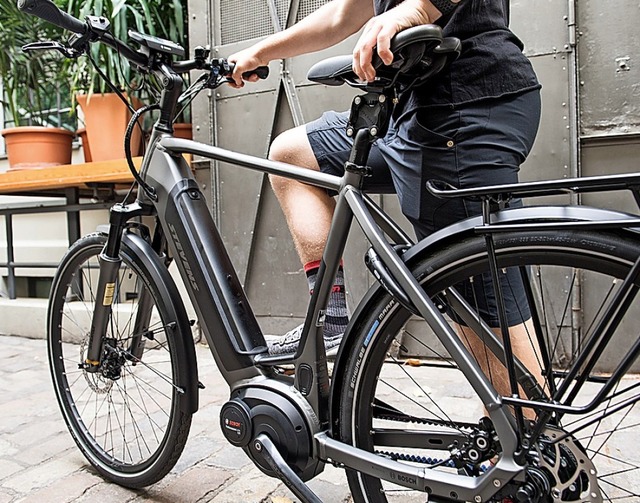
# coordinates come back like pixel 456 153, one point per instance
pixel 187 378
pixel 441 238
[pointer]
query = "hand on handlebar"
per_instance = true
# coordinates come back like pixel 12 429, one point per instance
pixel 239 68
pixel 246 67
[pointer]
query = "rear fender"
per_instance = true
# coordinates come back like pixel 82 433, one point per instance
pixel 438 240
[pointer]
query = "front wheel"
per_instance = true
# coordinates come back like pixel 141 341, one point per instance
pixel 126 417
pixel 406 400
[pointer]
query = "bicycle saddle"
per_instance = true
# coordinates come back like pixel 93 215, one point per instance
pixel 419 54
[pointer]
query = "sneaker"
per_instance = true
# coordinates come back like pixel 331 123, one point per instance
pixel 288 343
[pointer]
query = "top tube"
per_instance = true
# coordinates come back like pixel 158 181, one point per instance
pixel 310 176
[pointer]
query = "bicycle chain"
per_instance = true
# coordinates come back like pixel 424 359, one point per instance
pixel 399 456
pixel 421 420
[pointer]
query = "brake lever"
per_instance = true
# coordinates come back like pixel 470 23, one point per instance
pixel 219 69
pixel 50 45
pixel 194 89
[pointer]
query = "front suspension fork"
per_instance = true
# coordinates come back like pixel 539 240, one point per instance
pixel 109 263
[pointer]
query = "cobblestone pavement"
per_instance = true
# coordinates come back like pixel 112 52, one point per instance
pixel 39 462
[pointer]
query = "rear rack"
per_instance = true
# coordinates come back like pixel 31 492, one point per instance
pixel 501 193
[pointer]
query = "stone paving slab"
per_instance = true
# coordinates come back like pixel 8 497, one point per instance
pixel 39 461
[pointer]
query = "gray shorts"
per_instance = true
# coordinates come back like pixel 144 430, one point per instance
pixel 478 144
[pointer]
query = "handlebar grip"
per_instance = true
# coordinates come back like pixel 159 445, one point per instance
pixel 262 72
pixel 47 10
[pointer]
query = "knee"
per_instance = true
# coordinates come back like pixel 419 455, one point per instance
pixel 291 147
pixel 284 148
pixel 280 185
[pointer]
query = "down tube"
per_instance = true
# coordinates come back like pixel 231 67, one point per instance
pixel 227 320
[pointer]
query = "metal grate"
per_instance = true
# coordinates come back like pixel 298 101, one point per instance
pixel 282 6
pixel 308 6
pixel 243 20
pixel 247 19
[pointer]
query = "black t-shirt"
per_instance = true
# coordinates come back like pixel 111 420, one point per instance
pixel 491 64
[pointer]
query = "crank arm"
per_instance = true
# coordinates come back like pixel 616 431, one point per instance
pixel 267 449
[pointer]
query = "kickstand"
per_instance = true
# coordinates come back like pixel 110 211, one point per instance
pixel 268 451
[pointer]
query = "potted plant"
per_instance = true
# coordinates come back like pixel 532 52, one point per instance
pixel 182 128
pixel 32 84
pixel 166 19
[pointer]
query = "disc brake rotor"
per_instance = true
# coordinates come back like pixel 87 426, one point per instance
pixel 575 476
pixel 96 381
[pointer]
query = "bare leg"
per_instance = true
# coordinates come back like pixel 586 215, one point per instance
pixel 308 210
pixel 524 347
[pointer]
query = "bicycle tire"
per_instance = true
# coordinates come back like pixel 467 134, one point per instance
pixel 379 383
pixel 126 419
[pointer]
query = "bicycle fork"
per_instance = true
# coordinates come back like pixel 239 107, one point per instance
pixel 107 290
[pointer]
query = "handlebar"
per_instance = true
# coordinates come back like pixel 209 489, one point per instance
pixel 50 12
pixel 47 10
pixel 96 29
pixel 132 55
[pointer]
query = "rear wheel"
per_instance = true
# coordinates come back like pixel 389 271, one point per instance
pixel 126 418
pixel 401 384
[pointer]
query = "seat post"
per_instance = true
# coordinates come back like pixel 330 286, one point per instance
pixel 368 121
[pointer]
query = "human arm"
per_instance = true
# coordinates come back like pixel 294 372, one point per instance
pixel 325 27
pixel 380 29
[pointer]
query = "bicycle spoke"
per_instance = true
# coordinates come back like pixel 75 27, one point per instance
pixel 590 451
pixel 137 433
pixel 432 352
pixel 421 390
pixel 123 410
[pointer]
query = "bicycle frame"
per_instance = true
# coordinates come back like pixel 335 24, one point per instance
pixel 230 326
pixel 233 333
pixel 187 230
pixel 235 338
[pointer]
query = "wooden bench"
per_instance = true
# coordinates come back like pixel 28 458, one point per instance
pixel 96 181
pixel 52 180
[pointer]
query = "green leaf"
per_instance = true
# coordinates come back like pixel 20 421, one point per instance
pixel 30 80
pixel 118 5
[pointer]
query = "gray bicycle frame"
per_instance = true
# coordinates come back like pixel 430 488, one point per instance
pixel 236 340
pixel 217 295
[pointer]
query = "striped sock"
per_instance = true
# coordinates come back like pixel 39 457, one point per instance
pixel 337 314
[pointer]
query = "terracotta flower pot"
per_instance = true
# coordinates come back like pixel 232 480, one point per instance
pixel 183 130
pixel 32 147
pixel 106 119
pixel 86 149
